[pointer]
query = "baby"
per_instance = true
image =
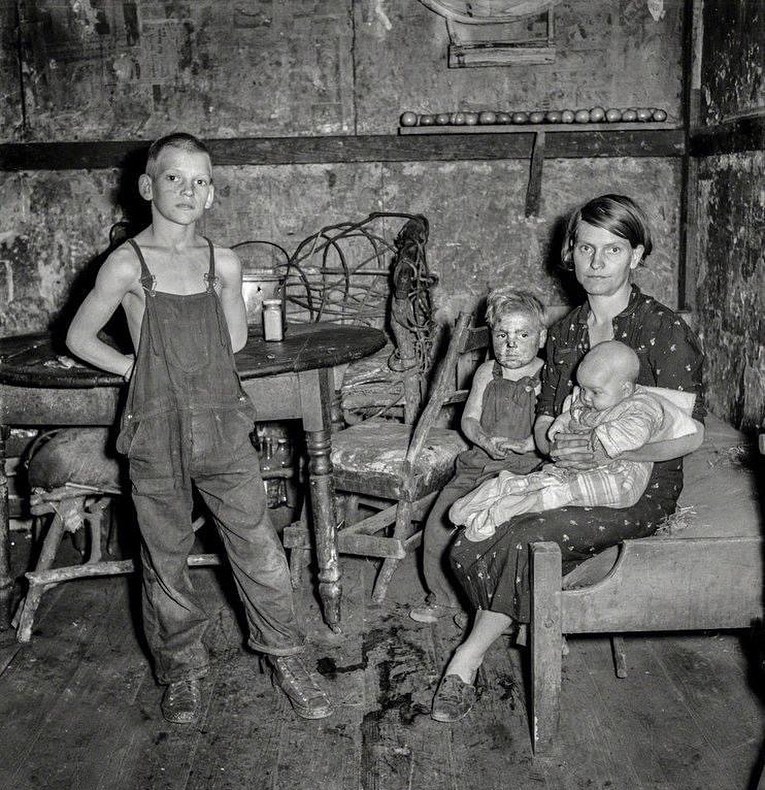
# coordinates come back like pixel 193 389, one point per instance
pixel 618 415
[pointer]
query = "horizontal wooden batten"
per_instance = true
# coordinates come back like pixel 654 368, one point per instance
pixel 525 128
pixel 729 137
pixel 407 147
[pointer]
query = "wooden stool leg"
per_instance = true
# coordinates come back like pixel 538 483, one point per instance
pixel 620 656
pixel 26 612
pixel 38 529
pixel 112 540
pixel 6 580
pixel 350 508
pixel 299 556
pixel 546 574
pixel 401 531
pixel 95 522
pixel 51 543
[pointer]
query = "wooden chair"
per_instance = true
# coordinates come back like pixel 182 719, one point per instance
pixel 396 468
pixel 371 272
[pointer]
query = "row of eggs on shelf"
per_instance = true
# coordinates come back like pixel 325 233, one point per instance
pixel 490 117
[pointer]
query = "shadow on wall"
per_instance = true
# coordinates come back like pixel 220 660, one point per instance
pixel 574 294
pixel 136 215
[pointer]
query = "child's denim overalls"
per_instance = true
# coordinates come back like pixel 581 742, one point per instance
pixel 187 418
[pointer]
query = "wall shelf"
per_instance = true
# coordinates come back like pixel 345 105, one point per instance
pixel 521 128
pixel 422 145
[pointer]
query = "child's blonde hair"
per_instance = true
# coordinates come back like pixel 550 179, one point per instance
pixel 504 300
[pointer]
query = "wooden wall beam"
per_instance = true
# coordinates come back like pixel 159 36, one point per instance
pixel 351 148
pixel 729 137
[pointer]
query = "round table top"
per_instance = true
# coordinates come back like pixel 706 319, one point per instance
pixel 36 360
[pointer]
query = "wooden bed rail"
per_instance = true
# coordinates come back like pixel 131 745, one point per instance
pixel 656 584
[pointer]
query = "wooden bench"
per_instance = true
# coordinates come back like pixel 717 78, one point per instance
pixel 703 570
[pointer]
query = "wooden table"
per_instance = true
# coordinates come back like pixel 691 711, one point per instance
pixel 291 379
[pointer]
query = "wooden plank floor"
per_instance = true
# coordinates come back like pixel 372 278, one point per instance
pixel 79 707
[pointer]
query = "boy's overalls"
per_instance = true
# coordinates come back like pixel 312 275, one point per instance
pixel 187 418
pixel 507 410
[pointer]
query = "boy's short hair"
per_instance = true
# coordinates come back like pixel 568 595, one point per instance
pixel 617 214
pixel 504 300
pixel 182 140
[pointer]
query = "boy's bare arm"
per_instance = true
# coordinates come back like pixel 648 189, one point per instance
pixel 116 278
pixel 471 415
pixel 231 299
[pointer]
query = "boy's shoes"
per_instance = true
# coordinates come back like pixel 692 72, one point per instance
pixel 307 698
pixel 454 699
pixel 182 701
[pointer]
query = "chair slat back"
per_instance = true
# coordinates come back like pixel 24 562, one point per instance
pixel 464 341
pixel 373 272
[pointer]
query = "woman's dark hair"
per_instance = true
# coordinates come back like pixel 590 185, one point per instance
pixel 617 214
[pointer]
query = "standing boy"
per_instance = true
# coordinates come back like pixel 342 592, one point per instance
pixel 187 419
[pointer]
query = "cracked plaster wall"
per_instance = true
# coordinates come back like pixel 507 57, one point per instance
pixel 114 69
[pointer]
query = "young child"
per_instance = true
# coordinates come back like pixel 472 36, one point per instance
pixel 187 419
pixel 497 419
pixel 617 415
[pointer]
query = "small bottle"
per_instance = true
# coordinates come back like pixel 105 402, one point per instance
pixel 272 319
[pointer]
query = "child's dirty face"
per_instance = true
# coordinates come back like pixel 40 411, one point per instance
pixel 181 187
pixel 516 338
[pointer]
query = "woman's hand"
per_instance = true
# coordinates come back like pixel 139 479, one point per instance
pixel 572 451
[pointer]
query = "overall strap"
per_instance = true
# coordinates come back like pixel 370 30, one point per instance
pixel 211 278
pixel 148 280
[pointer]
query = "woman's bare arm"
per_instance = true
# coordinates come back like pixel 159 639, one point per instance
pixel 669 448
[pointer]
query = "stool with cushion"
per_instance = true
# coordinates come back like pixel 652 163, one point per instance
pixel 73 478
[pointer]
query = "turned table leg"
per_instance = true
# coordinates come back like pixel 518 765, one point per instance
pixel 324 524
pixel 6 581
pixel 316 397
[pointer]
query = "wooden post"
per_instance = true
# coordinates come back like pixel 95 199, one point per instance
pixel 409 269
pixel 6 582
pixel 546 574
pixel 534 189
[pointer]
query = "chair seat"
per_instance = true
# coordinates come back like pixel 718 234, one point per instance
pixel 75 455
pixel 368 458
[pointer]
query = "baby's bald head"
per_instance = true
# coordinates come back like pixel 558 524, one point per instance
pixel 616 358
pixel 607 374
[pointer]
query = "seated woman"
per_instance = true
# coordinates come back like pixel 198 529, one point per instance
pixel 605 241
pixel 617 415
